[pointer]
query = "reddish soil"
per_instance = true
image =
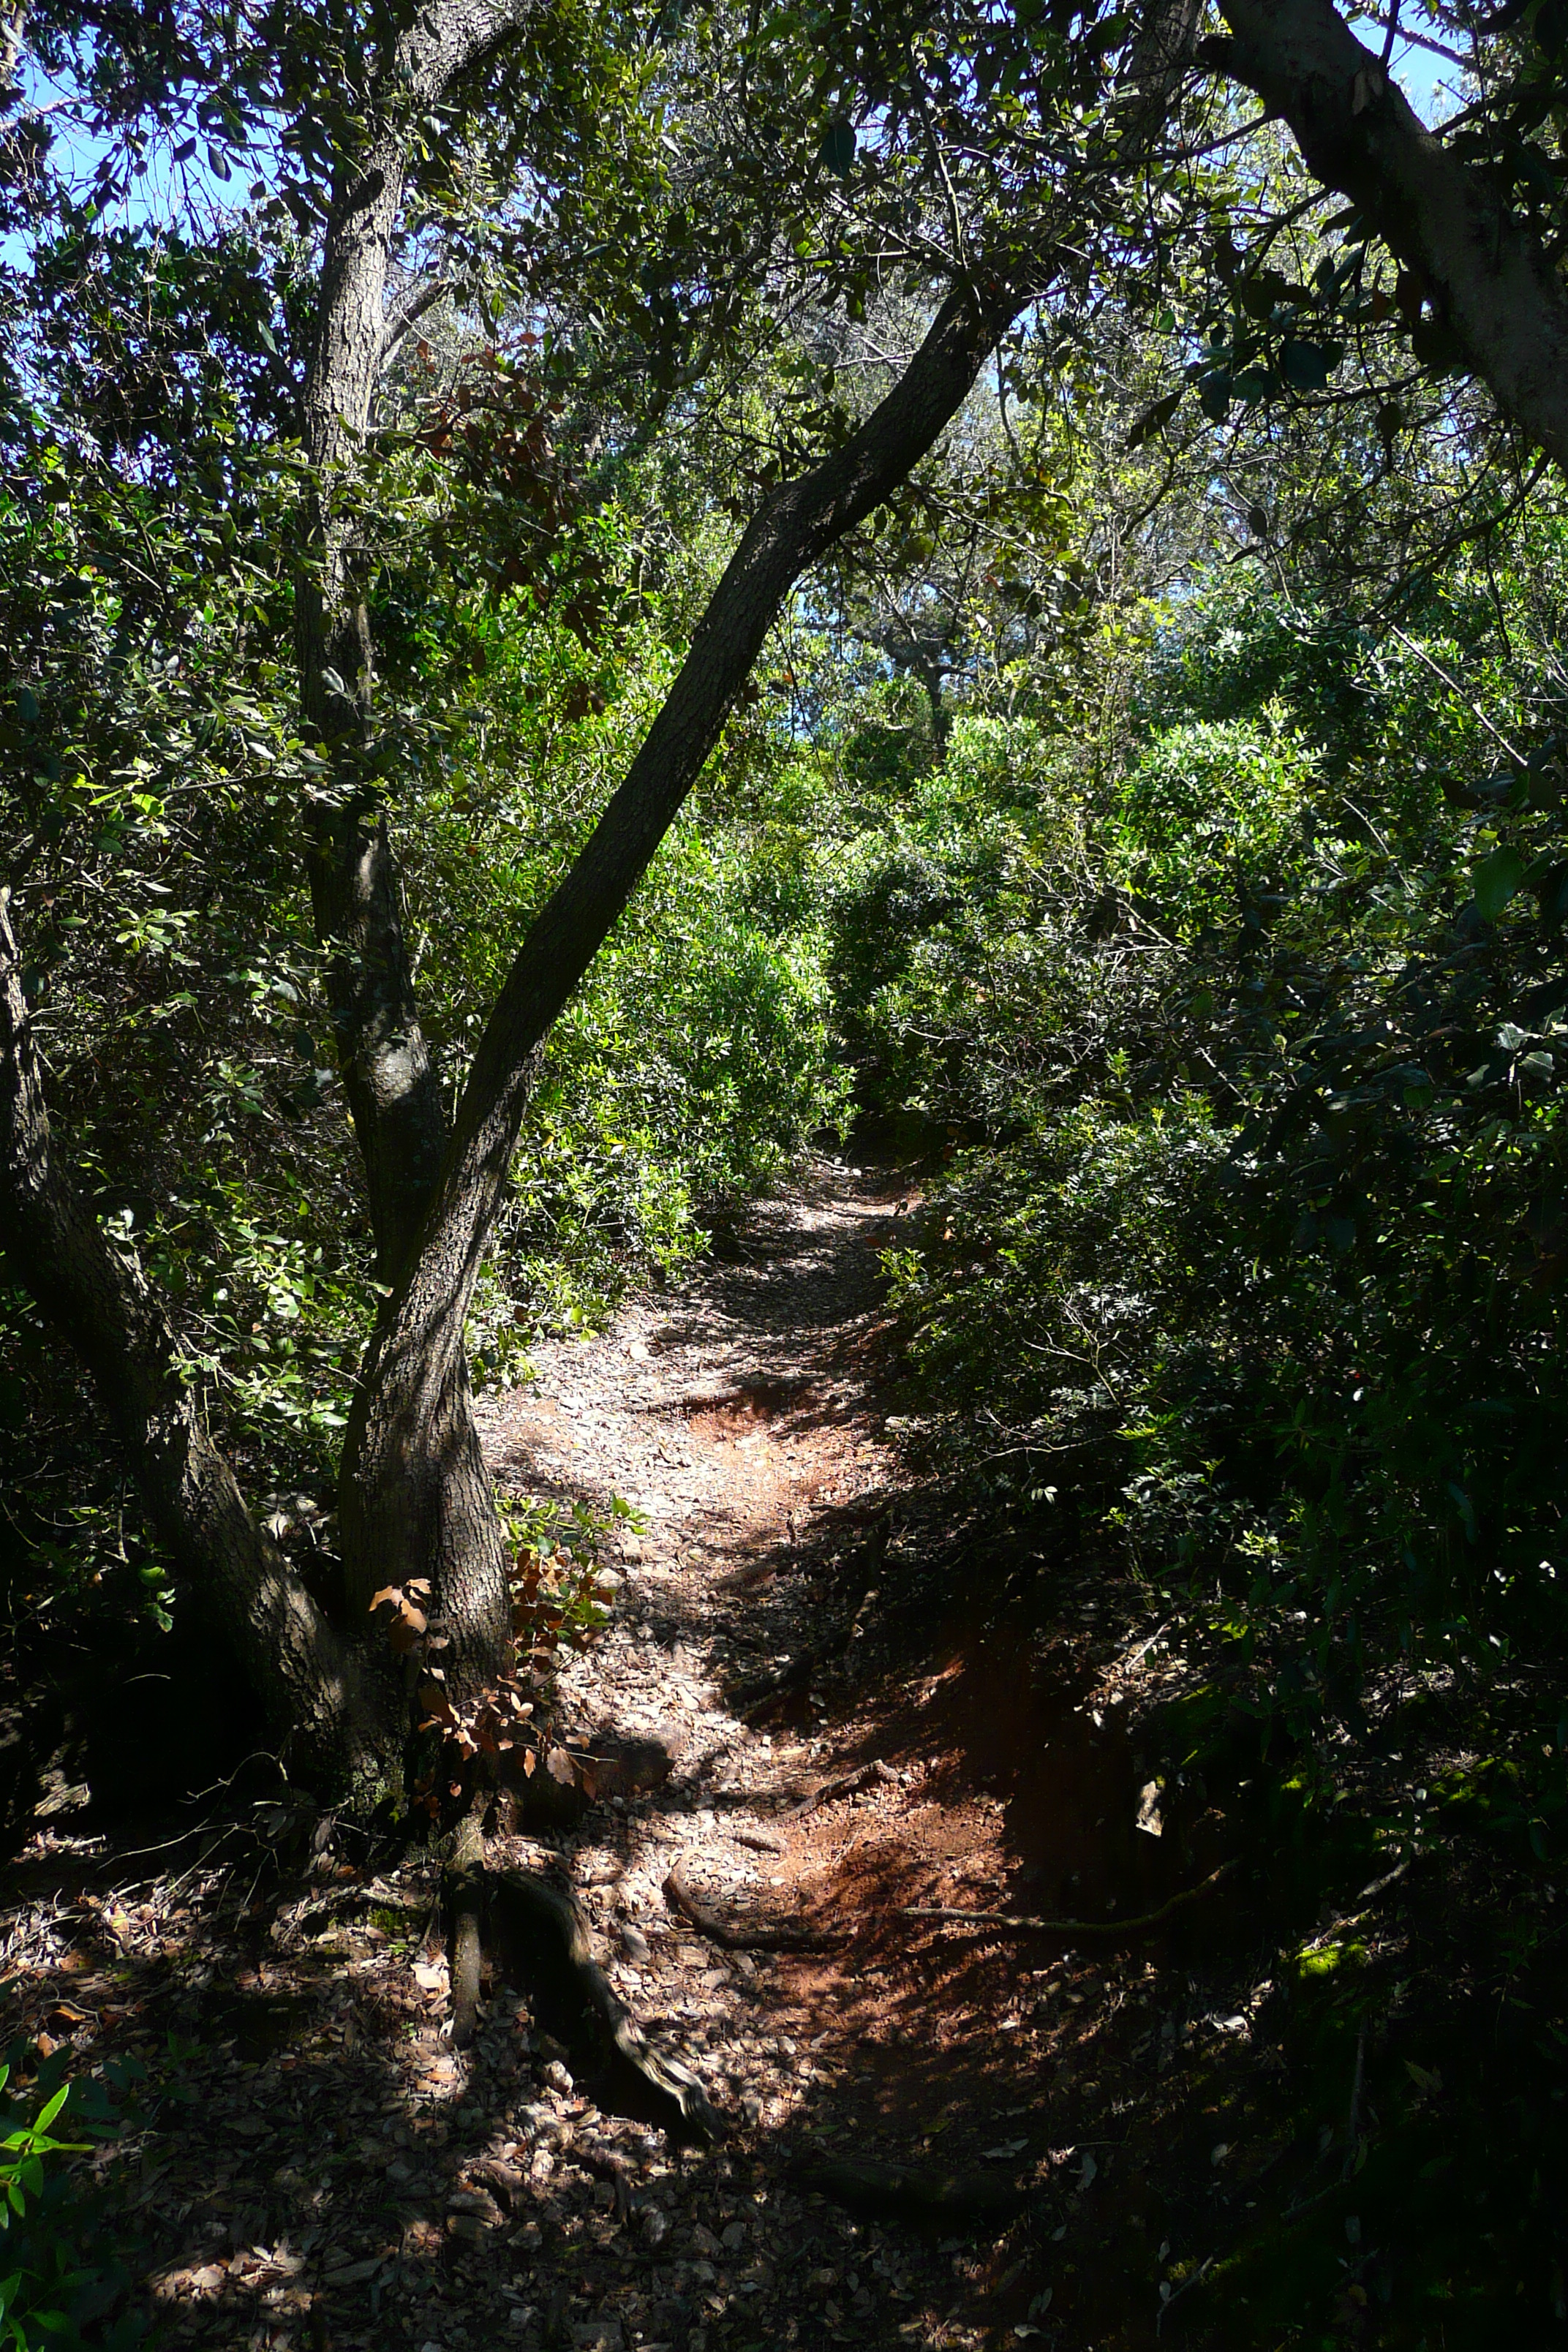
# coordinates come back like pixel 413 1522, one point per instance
pixel 315 2165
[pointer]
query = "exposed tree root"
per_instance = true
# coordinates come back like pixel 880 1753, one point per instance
pixel 532 1920
pixel 1116 1931
pixel 466 1904
pixel 780 1939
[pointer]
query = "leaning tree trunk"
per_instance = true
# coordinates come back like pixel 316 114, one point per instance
pixel 415 1497
pixel 1495 283
pixel 336 1721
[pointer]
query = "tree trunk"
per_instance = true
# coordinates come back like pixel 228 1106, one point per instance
pixel 389 1074
pixel 414 1498
pixel 1449 221
pixel 338 1703
pixel 334 1725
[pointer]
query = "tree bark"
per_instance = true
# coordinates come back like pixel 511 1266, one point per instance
pixel 414 1498
pixel 335 1727
pixel 339 1706
pixel 389 1073
pixel 1442 217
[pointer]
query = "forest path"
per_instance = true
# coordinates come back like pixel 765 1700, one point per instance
pixel 746 1418
pixel 843 1720
pixel 743 1419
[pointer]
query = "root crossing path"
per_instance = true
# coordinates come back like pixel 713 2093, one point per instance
pixel 819 1745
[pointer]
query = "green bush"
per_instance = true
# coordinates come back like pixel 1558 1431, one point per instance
pixel 61 2279
pixel 1268 1262
pixel 1213 817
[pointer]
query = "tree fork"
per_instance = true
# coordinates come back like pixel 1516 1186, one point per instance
pixel 414 1498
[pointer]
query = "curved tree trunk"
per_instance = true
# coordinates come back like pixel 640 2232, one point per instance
pixel 1498 289
pixel 414 1498
pixel 333 1723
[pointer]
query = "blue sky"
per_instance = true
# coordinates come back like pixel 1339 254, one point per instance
pixel 167 194
pixel 1429 84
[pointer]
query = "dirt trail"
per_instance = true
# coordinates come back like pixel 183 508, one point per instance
pixel 743 1421
pixel 321 2167
pixel 757 1643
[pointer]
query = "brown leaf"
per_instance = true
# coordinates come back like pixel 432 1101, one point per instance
pixel 558 1764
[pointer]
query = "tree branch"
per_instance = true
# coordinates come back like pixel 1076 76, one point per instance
pixel 1442 217
pixel 408 309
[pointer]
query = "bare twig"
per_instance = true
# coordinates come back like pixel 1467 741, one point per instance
pixel 1455 688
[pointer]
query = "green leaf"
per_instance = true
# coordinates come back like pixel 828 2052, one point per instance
pixel 1496 879
pixel 49 2112
pixel 1214 395
pixel 1154 420
pixel 1305 366
pixel 838 148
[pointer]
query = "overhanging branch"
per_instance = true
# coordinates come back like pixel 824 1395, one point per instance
pixel 1440 216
